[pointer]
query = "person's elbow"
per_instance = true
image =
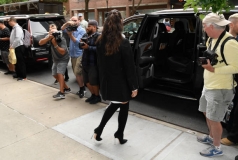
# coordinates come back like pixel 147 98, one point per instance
pixel 41 42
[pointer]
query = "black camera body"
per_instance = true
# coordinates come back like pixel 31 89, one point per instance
pixel 72 28
pixel 208 54
pixel 84 39
pixel 57 36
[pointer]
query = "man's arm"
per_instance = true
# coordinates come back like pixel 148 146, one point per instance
pixel 44 40
pixel 4 39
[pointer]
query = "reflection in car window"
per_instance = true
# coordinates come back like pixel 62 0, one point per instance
pixel 39 27
pixel 43 25
pixel 130 29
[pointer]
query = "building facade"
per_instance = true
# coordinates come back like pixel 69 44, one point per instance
pixel 98 8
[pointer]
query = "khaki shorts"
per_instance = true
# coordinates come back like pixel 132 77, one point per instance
pixel 215 103
pixel 77 65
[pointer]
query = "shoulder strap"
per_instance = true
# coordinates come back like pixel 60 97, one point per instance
pixel 222 48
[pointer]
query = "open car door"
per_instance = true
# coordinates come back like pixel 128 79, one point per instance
pixel 144 50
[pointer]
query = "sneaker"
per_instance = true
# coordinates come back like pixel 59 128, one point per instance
pixel 78 92
pixel 82 93
pixel 95 100
pixel 56 82
pixel 66 79
pixel 67 90
pixel 59 95
pixel 205 139
pixel 9 72
pixel 226 142
pixel 21 79
pixel 90 98
pixel 211 152
pixel 14 76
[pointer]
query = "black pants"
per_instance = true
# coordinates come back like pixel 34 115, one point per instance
pixel 233 134
pixel 66 75
pixel 122 117
pixel 20 65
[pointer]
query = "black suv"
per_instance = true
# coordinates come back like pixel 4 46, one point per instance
pixel 166 61
pixel 38 26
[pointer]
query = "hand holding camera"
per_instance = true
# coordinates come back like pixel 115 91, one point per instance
pixel 83 44
pixel 208 54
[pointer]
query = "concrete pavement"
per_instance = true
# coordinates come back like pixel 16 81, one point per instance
pixel 34 126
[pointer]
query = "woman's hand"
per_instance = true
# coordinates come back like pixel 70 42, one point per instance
pixel 134 93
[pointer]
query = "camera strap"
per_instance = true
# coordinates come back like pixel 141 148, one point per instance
pixel 218 41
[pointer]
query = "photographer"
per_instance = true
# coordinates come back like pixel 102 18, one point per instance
pixel 218 90
pixel 89 61
pixel 60 58
pixel 75 32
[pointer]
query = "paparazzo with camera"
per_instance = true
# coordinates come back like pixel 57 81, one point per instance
pixel 75 33
pixel 89 61
pixel 60 56
pixel 218 89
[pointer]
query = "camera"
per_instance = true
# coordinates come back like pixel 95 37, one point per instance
pixel 72 28
pixel 208 54
pixel 84 39
pixel 57 36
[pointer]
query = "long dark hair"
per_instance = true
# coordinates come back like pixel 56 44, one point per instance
pixel 112 32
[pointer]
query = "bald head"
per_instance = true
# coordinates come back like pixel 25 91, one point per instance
pixel 233 26
pixel 233 17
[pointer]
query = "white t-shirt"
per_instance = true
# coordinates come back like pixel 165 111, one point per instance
pixel 84 24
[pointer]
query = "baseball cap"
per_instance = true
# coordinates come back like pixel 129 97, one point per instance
pixel 93 23
pixel 80 14
pixel 216 19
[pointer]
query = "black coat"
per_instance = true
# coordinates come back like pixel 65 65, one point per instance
pixel 117 73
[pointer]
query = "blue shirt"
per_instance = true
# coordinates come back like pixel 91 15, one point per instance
pixel 74 49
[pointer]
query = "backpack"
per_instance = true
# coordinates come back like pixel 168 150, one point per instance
pixel 26 38
pixel 235 76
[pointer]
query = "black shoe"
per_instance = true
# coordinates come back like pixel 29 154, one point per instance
pixel 67 90
pixel 95 100
pixel 120 138
pixel 82 93
pixel 90 98
pixel 9 72
pixel 66 79
pixel 14 76
pixel 59 95
pixel 56 82
pixel 97 134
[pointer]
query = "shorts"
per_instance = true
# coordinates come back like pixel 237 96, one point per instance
pixel 90 75
pixel 77 66
pixel 59 68
pixel 215 103
pixel 4 55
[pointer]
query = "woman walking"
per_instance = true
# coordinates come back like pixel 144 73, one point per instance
pixel 118 82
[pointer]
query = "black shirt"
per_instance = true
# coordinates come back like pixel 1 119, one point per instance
pixel 4 45
pixel 89 55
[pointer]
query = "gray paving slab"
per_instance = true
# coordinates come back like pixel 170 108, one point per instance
pixel 185 147
pixel 22 138
pixel 16 127
pixel 145 138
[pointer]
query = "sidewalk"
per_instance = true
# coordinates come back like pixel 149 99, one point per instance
pixel 34 126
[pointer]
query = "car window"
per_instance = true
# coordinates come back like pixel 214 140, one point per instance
pixel 130 28
pixel 42 25
pixel 39 27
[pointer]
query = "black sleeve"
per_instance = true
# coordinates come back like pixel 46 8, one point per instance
pixel 129 65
